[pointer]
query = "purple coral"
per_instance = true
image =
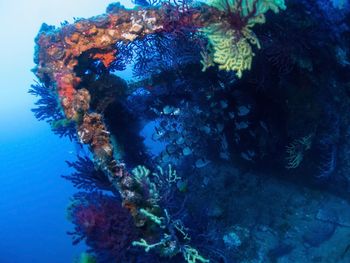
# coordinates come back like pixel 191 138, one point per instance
pixel 103 223
pixel 86 176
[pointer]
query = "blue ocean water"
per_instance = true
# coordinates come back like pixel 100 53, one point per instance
pixel 248 170
pixel 32 159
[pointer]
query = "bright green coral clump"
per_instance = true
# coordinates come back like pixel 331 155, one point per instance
pixel 231 41
pixel 86 258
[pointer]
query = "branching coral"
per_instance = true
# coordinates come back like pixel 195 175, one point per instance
pixel 169 244
pixel 232 39
pixel 49 110
pixel 86 176
pixel 47 105
pixel 106 226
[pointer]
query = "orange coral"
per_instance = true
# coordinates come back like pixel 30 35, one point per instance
pixel 106 57
pixel 65 84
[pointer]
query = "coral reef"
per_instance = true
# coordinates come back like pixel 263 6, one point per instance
pixel 169 145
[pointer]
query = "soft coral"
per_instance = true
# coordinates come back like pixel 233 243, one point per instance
pixel 105 225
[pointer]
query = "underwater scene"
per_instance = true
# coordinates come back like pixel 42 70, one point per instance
pixel 180 131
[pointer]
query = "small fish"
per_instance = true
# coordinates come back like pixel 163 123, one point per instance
pixel 243 110
pixel 170 110
pixel 252 133
pixel 206 129
pixel 186 151
pixel 171 149
pixel 225 156
pixel 165 157
pixel 158 134
pixel 264 126
pixel 220 127
pixel 200 163
pixel 176 112
pixel 242 125
pixel 180 140
pixel 223 104
pixel 248 155
pixel 237 138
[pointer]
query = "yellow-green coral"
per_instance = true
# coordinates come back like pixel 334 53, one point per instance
pixel 230 52
pixel 274 5
pixel 230 47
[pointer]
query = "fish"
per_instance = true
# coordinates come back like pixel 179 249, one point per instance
pixel 200 163
pixel 186 151
pixel 206 129
pixel 248 155
pixel 242 125
pixel 264 126
pixel 220 127
pixel 223 104
pixel 170 110
pixel 243 110
pixel 180 140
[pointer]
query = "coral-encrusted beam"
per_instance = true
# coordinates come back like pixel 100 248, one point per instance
pixel 58 51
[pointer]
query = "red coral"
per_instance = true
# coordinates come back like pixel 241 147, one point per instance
pixel 66 84
pixel 105 225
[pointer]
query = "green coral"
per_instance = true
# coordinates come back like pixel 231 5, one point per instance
pixel 143 243
pixel 266 5
pixel 230 46
pixel 156 219
pixel 86 258
pixel 191 255
pixel 142 177
pixel 247 6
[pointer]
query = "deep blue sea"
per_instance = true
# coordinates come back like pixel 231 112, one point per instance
pixel 32 159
